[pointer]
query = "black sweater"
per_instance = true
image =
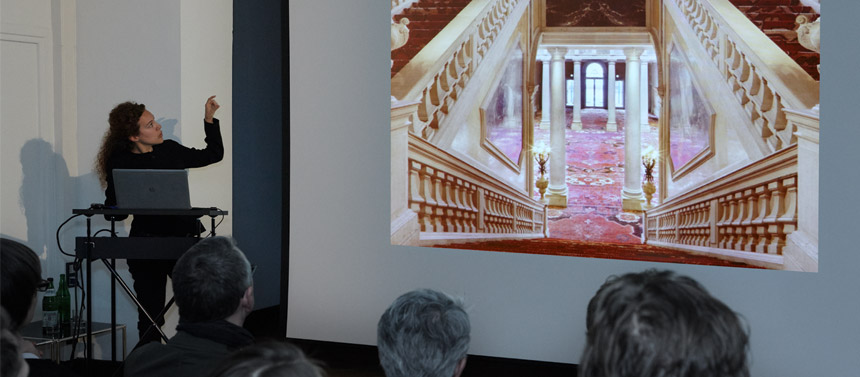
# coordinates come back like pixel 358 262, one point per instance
pixel 167 155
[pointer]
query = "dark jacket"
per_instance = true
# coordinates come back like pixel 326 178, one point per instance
pixel 188 355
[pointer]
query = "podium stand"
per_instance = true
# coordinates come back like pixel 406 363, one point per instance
pixel 113 248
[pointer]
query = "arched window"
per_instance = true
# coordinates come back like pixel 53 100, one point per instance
pixel 594 85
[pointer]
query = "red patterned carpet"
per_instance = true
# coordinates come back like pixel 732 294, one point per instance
pixel 550 246
pixel 595 177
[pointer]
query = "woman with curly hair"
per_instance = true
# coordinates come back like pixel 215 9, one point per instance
pixel 134 141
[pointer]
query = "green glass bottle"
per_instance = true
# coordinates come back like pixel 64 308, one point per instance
pixel 50 315
pixel 63 305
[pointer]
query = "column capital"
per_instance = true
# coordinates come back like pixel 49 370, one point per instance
pixel 577 61
pixel 610 61
pixel 557 52
pixel 633 53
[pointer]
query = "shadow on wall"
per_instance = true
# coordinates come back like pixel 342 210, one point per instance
pixel 45 188
pixel 168 128
pixel 47 196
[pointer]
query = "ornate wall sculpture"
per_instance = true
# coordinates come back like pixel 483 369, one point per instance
pixel 691 118
pixel 568 13
pixel 502 113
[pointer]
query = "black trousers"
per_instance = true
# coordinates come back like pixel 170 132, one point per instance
pixel 150 275
pixel 150 282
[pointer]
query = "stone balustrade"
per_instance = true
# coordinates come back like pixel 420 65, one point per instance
pixel 455 201
pixel 438 74
pixel 745 215
pixel 762 77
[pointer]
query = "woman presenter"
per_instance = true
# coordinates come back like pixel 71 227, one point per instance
pixel 134 141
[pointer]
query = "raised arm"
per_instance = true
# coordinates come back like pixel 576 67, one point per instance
pixel 214 151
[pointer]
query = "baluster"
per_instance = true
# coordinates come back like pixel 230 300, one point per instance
pixel 788 219
pixel 697 224
pixel 775 208
pixel 416 197
pixel 752 213
pixel 790 208
pixel 689 224
pixel 455 186
pixel 739 209
pixel 492 213
pixel 468 199
pixel 732 213
pixel 758 221
pixel 438 193
pixel 451 209
pixel 429 199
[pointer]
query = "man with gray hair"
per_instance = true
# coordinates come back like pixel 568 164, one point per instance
pixel 424 333
pixel 214 291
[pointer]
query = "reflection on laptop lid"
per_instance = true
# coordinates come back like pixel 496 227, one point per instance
pixel 151 189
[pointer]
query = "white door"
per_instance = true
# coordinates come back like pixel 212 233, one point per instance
pixel 27 208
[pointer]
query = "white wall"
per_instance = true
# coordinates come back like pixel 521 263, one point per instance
pixel 169 55
pixel 344 272
pixel 33 191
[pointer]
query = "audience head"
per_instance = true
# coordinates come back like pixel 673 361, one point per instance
pixel 212 281
pixel 424 333
pixel 269 359
pixel 657 323
pixel 11 361
pixel 20 279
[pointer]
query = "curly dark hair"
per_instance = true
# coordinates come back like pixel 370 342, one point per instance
pixel 658 323
pixel 122 125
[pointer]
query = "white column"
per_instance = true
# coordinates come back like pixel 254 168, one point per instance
pixel 655 94
pixel 557 190
pixel 631 194
pixel 611 126
pixel 544 108
pixel 576 123
pixel 643 95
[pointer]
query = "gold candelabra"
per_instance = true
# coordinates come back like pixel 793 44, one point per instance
pixel 649 159
pixel 541 153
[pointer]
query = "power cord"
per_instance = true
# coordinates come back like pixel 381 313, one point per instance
pixel 58 235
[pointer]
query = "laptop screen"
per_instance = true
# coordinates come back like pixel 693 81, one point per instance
pixel 151 189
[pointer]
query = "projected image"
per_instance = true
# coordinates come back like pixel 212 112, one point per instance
pixel 504 141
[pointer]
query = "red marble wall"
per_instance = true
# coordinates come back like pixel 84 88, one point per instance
pixel 567 13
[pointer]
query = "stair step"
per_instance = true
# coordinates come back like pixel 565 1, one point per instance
pixel 765 2
pixel 785 9
pixel 553 246
pixel 426 24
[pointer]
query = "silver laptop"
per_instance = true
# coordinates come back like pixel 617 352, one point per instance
pixel 151 189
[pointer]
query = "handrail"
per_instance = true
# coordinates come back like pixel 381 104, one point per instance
pixel 762 77
pixel 747 213
pixel 458 200
pixel 440 71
